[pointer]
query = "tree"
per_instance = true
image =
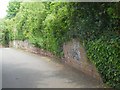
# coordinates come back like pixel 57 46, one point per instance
pixel 13 8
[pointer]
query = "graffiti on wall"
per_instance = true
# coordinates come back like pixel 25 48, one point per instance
pixel 74 52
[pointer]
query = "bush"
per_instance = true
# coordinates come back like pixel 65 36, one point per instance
pixel 105 54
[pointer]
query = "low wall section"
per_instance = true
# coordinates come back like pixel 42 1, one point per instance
pixel 29 47
pixel 75 56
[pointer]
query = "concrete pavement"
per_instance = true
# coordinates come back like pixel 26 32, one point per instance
pixel 22 69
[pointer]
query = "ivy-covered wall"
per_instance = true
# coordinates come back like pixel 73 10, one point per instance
pixel 49 25
pixel 105 54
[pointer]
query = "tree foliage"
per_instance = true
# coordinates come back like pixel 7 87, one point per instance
pixel 13 8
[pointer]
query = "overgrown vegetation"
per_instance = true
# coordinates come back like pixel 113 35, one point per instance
pixel 48 25
pixel 4 34
pixel 105 54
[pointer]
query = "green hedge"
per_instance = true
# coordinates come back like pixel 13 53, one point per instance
pixel 5 39
pixel 105 54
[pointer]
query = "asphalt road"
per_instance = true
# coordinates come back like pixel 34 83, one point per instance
pixel 21 69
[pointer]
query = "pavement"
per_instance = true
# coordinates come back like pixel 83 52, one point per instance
pixel 21 69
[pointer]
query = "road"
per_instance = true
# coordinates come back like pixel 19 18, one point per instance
pixel 21 69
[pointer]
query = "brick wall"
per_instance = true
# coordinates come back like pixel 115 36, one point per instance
pixel 75 56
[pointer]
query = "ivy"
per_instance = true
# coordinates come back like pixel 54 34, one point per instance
pixel 106 56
